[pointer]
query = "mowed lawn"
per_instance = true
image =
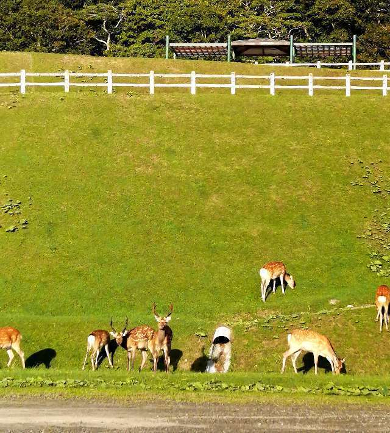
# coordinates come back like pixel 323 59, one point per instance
pixel 133 199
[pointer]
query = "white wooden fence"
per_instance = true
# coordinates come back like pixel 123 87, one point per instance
pixel 195 81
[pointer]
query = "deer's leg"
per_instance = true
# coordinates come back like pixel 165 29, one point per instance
pixel 97 357
pixel 380 321
pixel 274 288
pixel 10 356
pixel 86 357
pixel 286 354
pixel 128 360
pixel 167 358
pixel 92 360
pixel 108 355
pixel 377 316
pixel 20 352
pixel 316 363
pixel 281 282
pixel 144 355
pixel 294 360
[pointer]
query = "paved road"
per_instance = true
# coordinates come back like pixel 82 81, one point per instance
pixel 76 416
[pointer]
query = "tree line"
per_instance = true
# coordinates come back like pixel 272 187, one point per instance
pixel 139 27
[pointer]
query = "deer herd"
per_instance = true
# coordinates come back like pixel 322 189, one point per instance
pixel 146 339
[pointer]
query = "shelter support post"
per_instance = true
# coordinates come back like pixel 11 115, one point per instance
pixel 291 49
pixel 354 58
pixel 229 48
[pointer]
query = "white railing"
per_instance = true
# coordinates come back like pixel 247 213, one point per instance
pixel 195 81
pixel 382 65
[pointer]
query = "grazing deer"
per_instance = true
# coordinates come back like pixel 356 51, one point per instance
pixel 311 341
pixel 95 342
pixel 10 340
pixel 382 301
pixel 272 271
pixel 134 339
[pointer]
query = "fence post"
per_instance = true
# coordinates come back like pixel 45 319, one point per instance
pixel 350 65
pixel 233 83
pixel 384 90
pixel 272 84
pixel 311 89
pixel 109 82
pixel 347 85
pixel 151 83
pixel 23 81
pixel 66 81
pixel 193 83
pixel 319 64
pixel 382 65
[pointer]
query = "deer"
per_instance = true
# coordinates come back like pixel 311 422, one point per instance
pixel 144 338
pixel 311 341
pixel 132 340
pixel 10 341
pixel 162 339
pixel 382 301
pixel 95 342
pixel 272 271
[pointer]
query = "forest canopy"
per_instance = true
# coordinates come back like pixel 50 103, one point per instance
pixel 139 27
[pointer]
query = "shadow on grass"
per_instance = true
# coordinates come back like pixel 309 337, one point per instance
pixel 308 364
pixel 175 356
pixel 42 357
pixel 199 365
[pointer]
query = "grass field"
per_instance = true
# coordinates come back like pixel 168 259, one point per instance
pixel 132 199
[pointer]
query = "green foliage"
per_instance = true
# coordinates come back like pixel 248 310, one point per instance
pixel 139 27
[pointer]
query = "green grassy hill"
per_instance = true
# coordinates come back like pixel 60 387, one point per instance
pixel 133 199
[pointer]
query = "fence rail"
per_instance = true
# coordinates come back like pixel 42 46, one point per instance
pixel 193 81
pixel 382 65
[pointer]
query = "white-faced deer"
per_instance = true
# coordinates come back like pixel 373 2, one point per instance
pixel 132 340
pixel 382 301
pixel 162 339
pixel 10 340
pixel 311 341
pixel 272 271
pixel 95 342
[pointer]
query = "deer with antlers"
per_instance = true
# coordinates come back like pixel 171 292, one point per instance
pixel 273 271
pixel 144 338
pixel 132 340
pixel 162 339
pixel 95 342
pixel 382 301
pixel 10 341
pixel 311 341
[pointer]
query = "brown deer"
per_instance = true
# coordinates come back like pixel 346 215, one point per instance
pixel 311 341
pixel 132 340
pixel 162 339
pixel 95 342
pixel 10 340
pixel 145 338
pixel 272 271
pixel 382 301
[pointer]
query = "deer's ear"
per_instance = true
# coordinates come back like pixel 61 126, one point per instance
pixel 112 334
pixel 342 361
pixel 168 318
pixel 124 333
pixel 157 318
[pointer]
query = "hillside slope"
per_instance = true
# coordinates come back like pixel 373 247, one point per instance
pixel 133 199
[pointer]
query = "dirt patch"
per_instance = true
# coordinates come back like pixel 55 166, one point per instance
pixel 76 416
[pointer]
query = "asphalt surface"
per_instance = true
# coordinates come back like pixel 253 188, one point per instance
pixel 77 416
